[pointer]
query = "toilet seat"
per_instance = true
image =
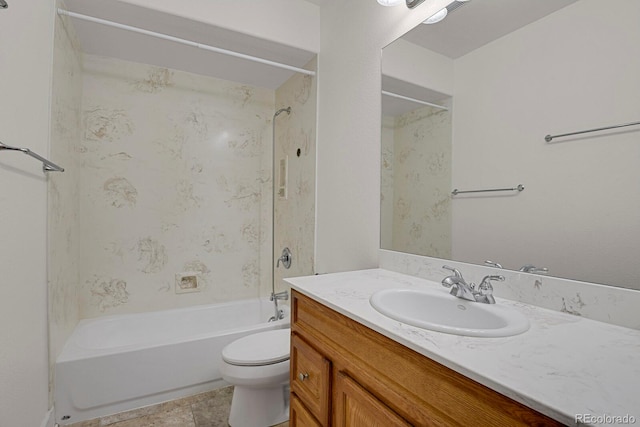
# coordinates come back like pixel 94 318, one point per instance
pixel 263 348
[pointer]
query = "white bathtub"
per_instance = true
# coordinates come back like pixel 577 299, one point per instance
pixel 117 363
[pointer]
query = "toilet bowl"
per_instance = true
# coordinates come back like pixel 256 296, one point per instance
pixel 258 366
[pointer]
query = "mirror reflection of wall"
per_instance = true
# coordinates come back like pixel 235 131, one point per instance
pixel 515 72
pixel 416 178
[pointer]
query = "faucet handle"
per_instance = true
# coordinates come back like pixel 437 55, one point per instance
pixel 530 268
pixel 492 264
pixel 485 287
pixel 285 258
pixel 456 273
pixel 485 290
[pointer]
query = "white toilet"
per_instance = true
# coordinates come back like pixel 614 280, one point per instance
pixel 258 366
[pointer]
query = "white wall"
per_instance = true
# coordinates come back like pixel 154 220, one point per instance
pixel 409 62
pixel 348 172
pixel 580 201
pixel 26 34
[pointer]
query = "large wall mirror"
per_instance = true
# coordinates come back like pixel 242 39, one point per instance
pixel 487 84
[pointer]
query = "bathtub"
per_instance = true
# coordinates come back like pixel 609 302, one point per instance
pixel 117 363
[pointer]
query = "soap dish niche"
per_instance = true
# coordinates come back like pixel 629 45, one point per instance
pixel 188 281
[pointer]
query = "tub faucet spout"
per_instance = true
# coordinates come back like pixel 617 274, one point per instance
pixel 284 295
pixel 275 296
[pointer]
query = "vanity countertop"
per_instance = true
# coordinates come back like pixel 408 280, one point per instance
pixel 563 366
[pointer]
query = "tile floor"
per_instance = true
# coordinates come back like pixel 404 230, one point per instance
pixel 210 409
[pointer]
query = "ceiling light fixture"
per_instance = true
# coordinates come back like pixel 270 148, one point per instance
pixel 437 17
pixel 390 2
pixel 442 13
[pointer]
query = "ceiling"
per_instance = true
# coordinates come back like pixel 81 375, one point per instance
pixel 479 22
pixel 97 39
pixel 471 26
pixel 475 24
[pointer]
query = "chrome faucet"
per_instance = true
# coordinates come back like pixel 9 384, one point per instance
pixel 485 290
pixel 492 264
pixel 279 295
pixel 461 289
pixel 530 268
pixel 275 297
pixel 285 259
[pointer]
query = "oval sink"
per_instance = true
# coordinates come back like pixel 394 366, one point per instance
pixel 442 312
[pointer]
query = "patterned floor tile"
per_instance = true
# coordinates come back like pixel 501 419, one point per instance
pixel 210 409
pixel 177 417
pixel 213 412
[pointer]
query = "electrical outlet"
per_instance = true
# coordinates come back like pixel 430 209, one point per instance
pixel 188 281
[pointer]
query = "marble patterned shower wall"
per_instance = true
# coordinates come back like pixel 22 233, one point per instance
pixel 386 182
pixel 416 182
pixel 63 188
pixel 295 214
pixel 175 178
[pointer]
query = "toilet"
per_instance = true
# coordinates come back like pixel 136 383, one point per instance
pixel 258 366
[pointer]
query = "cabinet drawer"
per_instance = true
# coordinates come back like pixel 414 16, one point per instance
pixel 300 416
pixel 310 378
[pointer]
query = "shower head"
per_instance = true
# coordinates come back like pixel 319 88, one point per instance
pixel 3 4
pixel 282 110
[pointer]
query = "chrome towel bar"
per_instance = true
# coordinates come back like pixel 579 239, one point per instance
pixel 47 166
pixel 520 187
pixel 549 138
pixel 417 101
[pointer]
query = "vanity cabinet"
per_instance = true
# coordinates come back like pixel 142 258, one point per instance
pixel 299 415
pixel 355 406
pixel 345 374
pixel 310 379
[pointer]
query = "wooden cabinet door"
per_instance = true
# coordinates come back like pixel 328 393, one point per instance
pixel 300 416
pixel 356 407
pixel 310 378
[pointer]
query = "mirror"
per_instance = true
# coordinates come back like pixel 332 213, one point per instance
pixel 504 74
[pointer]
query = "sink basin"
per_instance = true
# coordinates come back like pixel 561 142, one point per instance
pixel 442 312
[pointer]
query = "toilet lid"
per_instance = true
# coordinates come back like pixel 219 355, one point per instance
pixel 263 348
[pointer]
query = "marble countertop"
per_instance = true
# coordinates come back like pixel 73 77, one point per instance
pixel 564 366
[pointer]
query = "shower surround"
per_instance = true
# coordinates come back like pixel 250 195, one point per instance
pixel 63 190
pixel 416 182
pixel 295 139
pixel 175 179
pixel 168 173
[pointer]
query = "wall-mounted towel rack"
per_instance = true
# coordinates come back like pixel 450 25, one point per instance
pixel 417 101
pixel 47 166
pixel 549 138
pixel 519 188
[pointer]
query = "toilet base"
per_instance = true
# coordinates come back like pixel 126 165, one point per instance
pixel 259 407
